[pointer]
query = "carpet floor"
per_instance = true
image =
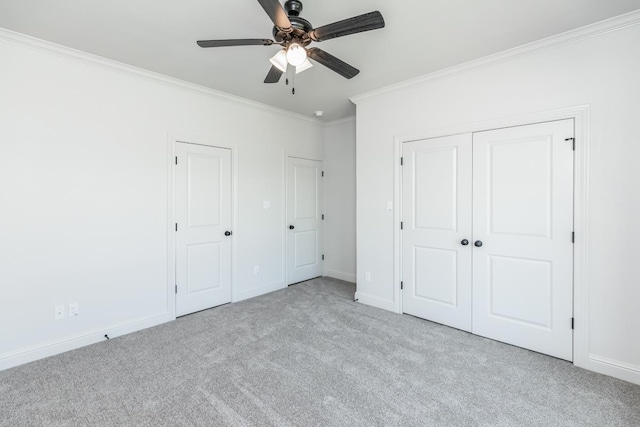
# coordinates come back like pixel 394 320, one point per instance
pixel 309 356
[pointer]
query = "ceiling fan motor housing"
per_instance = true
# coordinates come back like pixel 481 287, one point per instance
pixel 300 25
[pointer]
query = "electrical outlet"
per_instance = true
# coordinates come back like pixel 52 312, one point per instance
pixel 367 276
pixel 74 309
pixel 59 312
pixel 256 270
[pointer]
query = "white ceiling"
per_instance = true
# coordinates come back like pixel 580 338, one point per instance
pixel 421 36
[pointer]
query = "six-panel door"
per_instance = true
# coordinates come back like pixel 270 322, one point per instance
pixel 203 215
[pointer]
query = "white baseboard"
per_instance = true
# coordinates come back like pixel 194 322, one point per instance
pixel 347 277
pixel 375 301
pixel 251 293
pixel 613 368
pixel 40 351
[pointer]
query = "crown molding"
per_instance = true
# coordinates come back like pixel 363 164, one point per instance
pixel 12 37
pixel 589 31
pixel 341 121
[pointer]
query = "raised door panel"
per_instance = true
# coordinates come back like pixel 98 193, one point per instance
pixel 204 190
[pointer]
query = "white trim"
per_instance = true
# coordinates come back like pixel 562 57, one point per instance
pixel 374 301
pixel 40 351
pixel 572 36
pixel 252 293
pixel 347 277
pixel 397 232
pixel 623 371
pixel 581 116
pixel 65 52
pixel 341 121
pixel 172 140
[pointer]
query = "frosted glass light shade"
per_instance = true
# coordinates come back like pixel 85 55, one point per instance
pixel 296 54
pixel 304 66
pixel 279 60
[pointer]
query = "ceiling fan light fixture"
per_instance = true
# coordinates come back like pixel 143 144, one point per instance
pixel 296 54
pixel 279 60
pixel 304 66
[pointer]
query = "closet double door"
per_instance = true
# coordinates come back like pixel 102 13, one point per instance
pixel 487 241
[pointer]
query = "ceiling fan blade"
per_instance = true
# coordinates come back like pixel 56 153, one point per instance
pixel 274 75
pixel 235 42
pixel 357 24
pixel 332 63
pixel 276 12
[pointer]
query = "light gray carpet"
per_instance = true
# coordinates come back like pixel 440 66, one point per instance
pixel 309 356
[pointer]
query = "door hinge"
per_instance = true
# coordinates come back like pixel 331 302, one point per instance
pixel 573 140
pixel 323 217
pixel 573 237
pixel 176 289
pixel 401 225
pixel 572 323
pixel 176 160
pixel 176 226
pixel 401 161
pixel 401 285
pixel 323 257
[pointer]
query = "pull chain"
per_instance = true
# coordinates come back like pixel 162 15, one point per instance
pixel 291 70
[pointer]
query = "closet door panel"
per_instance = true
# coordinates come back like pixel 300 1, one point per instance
pixel 523 217
pixel 436 267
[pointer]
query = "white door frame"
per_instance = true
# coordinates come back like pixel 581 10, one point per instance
pixel 581 116
pixel 285 224
pixel 172 140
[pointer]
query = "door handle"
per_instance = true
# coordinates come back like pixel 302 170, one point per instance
pixel 478 243
pixel 291 227
pixel 464 242
pixel 227 233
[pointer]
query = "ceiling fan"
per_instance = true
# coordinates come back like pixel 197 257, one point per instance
pixel 294 34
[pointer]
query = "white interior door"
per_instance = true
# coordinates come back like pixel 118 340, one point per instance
pixel 523 217
pixel 304 219
pixel 436 260
pixel 203 215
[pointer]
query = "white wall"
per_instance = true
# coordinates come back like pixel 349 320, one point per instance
pixel 340 199
pixel 602 71
pixel 84 193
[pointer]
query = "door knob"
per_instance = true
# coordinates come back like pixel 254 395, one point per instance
pixel 227 233
pixel 465 242
pixel 478 243
pixel 291 227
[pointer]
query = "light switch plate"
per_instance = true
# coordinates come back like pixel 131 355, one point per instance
pixel 74 309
